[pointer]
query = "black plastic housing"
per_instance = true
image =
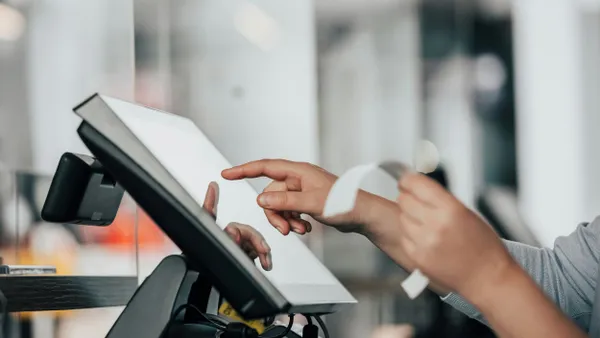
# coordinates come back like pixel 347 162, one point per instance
pixel 82 192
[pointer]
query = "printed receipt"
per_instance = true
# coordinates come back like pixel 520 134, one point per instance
pixel 342 198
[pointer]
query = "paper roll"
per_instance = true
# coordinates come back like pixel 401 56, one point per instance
pixel 342 198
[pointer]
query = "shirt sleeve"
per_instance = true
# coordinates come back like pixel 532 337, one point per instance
pixel 567 273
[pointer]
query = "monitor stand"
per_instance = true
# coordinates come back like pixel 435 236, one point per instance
pixel 172 284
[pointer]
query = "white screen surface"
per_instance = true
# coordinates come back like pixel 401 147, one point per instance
pixel 192 160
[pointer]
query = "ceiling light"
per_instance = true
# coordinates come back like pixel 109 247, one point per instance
pixel 257 26
pixel 12 23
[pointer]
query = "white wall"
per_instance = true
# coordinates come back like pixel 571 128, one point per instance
pixel 371 92
pixel 591 105
pixel 15 144
pixel 555 153
pixel 452 126
pixel 75 49
pixel 253 101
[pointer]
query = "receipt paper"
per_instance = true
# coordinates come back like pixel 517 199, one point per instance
pixel 342 198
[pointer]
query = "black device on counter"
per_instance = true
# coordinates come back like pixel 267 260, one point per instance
pixel 82 192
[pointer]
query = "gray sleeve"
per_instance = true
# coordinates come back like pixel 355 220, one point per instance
pixel 567 273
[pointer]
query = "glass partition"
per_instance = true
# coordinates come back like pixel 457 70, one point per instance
pixel 75 251
pixel 53 55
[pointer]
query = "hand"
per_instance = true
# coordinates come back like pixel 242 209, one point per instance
pixel 297 188
pixel 457 249
pixel 250 240
pixel 448 242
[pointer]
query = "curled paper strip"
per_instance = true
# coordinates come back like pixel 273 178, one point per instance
pixel 342 198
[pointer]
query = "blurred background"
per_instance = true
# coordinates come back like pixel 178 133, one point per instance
pixel 506 90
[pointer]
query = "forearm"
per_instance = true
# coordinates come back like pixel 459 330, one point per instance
pixel 516 307
pixel 558 272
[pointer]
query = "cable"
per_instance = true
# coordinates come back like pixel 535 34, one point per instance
pixel 287 329
pixel 310 330
pixel 323 326
pixel 216 324
pixel 215 319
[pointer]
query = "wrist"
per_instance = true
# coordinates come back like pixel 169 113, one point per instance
pixel 374 214
pixel 498 281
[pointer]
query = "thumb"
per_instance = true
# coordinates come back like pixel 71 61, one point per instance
pixel 304 202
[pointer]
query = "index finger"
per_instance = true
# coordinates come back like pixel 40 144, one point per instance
pixel 424 188
pixel 274 169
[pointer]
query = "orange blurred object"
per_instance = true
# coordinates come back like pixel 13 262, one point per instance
pixel 122 231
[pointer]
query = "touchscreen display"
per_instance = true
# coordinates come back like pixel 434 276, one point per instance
pixel 193 161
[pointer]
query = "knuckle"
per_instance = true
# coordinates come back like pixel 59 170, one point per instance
pixel 402 197
pixel 423 181
pixel 411 250
pixel 404 181
pixel 409 179
pixel 283 199
pixel 434 239
pixel 294 183
pixel 254 233
pixel 446 218
pixel 290 201
pixel 242 226
pixel 268 162
pixel 414 177
pixel 456 212
pixel 408 247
